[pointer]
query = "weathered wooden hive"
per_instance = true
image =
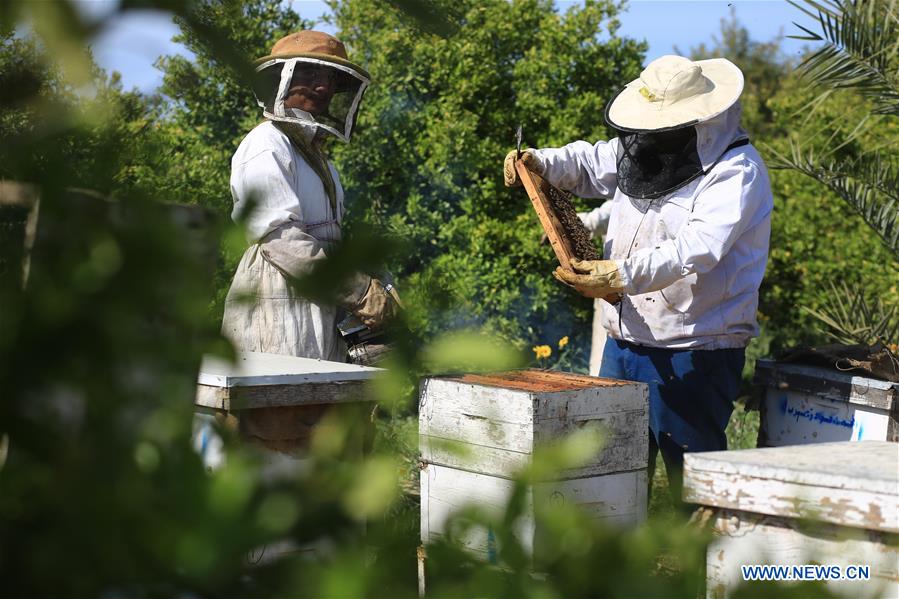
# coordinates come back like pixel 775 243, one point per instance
pixel 830 504
pixel 274 401
pixel 477 431
pixel 810 404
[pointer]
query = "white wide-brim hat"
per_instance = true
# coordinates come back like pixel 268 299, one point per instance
pixel 674 91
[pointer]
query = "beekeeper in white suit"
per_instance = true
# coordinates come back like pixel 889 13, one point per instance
pixel 308 90
pixel 685 249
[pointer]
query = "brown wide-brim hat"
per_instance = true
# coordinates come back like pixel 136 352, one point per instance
pixel 312 44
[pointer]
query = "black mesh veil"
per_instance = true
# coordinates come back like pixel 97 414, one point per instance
pixel 652 164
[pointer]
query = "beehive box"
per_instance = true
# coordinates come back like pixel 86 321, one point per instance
pixel 828 504
pixel 809 404
pixel 499 419
pixel 274 400
pixel 616 499
pixel 276 403
pixel 477 431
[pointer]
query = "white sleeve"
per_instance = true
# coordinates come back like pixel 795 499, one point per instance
pixel 736 199
pixel 262 185
pixel 597 220
pixel 588 171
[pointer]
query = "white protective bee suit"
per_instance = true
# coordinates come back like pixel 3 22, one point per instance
pixel 597 223
pixel 690 262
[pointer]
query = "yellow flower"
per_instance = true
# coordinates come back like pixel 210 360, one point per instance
pixel 542 351
pixel 563 341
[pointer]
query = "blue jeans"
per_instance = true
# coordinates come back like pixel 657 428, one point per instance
pixel 691 397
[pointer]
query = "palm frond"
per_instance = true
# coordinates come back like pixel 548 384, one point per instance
pixel 868 183
pixel 860 50
pixel 852 318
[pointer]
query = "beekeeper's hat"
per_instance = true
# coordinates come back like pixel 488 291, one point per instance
pixel 674 91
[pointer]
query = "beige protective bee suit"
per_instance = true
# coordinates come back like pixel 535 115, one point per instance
pixel 292 226
pixel 280 177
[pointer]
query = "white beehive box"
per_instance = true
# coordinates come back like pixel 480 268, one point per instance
pixel 259 380
pixel 477 431
pixel 809 404
pixel 830 504
pixel 617 500
pixel 291 393
pixel 498 420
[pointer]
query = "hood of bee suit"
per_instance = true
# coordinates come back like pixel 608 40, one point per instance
pixel 311 60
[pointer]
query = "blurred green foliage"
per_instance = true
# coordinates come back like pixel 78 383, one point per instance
pixel 101 493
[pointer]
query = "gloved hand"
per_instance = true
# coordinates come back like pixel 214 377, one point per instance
pixel 591 278
pixel 510 177
pixel 378 306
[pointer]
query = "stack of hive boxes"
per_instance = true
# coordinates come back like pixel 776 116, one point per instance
pixel 478 431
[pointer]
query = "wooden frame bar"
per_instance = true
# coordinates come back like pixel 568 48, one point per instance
pixel 538 190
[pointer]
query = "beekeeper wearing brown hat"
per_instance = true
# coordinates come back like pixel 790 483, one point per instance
pixel 308 90
pixel 686 243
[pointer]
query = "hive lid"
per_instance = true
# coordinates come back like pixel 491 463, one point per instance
pixel 827 382
pixel 251 369
pixel 536 381
pixel 848 483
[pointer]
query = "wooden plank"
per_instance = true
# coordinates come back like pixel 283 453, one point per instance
pixel 743 538
pixel 616 499
pixel 212 397
pixel 252 369
pixel 536 188
pixel 439 395
pixel 827 382
pixel 852 484
pixel 493 432
pixel 595 401
pixel 274 396
pixel 600 497
pixel 617 456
